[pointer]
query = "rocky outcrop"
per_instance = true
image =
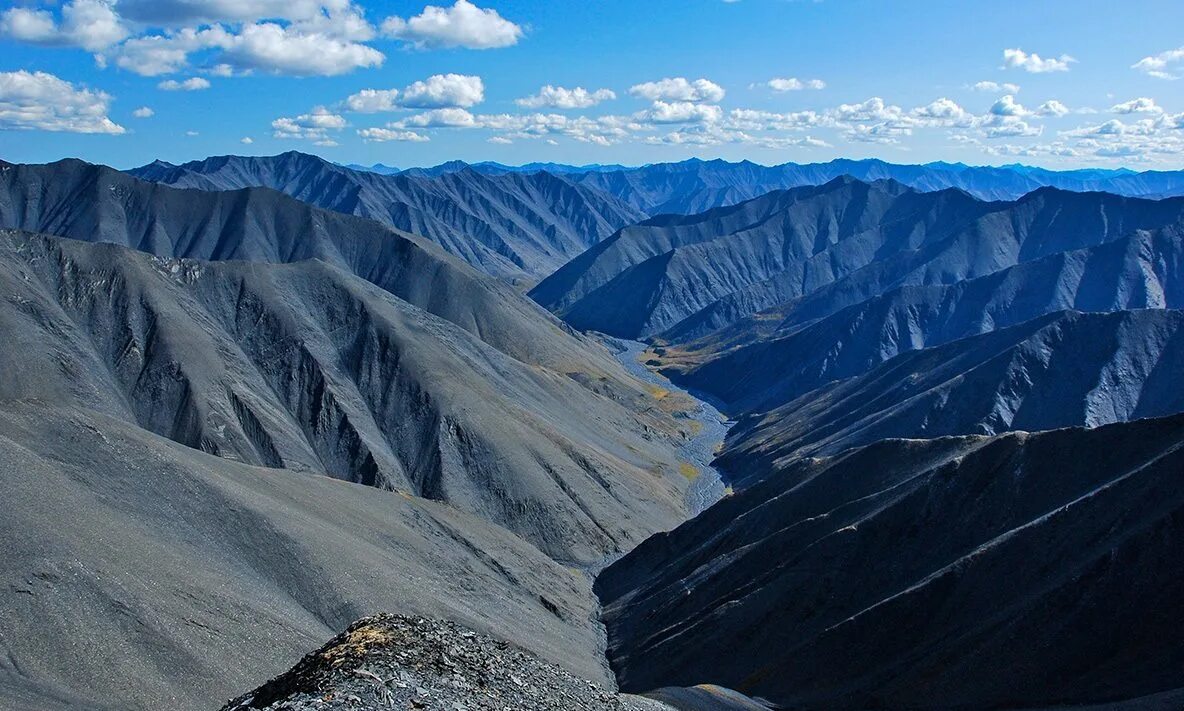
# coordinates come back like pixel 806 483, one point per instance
pixel 392 661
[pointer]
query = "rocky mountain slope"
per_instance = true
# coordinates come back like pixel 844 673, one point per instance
pixel 307 367
pixel 683 277
pixel 777 355
pixel 1060 370
pixel 142 574
pixel 92 203
pixel 1014 571
pixel 511 224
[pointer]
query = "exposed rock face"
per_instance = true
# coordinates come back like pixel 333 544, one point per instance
pixel 399 662
pixel 1021 570
pixel 777 355
pixel 509 224
pixel 141 574
pixel 306 367
pixel 680 278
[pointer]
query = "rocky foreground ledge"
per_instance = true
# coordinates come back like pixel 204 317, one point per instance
pixel 398 662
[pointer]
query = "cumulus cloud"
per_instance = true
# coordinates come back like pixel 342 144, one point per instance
pixel 382 135
pixel 143 112
pixel 445 90
pixel 1034 63
pixel 246 140
pixel 560 98
pixel 784 84
pixel 289 50
pixel 90 24
pixel 1008 106
pixel 1165 65
pixel 313 126
pixel 1052 107
pixel 441 118
pixel 462 25
pixel 679 89
pixel 191 84
pixel 38 100
pixel 1141 105
pixel 680 112
pixel 994 87
pixel 372 101
pixel 313 39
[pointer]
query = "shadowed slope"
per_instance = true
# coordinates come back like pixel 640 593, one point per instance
pixel 976 572
pixel 1063 369
pixel 778 355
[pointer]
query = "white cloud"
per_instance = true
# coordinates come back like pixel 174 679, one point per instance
pixel 499 140
pixel 1008 106
pixel 680 112
pixel 996 87
pixel 440 118
pixel 443 91
pixel 1052 107
pixel 1141 105
pixel 154 55
pixel 1034 63
pixel 246 140
pixel 755 120
pixel 191 84
pixel 38 100
pixel 679 89
pixel 561 98
pixel 943 112
pixel 1163 65
pixel 90 24
pixel 382 135
pixel 1010 127
pixel 313 126
pixel 462 25
pixel 177 13
pixel 783 84
pixel 372 101
pixel 191 134
pixel 288 50
pixel 143 112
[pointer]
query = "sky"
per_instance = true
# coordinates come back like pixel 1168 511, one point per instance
pixel 1055 83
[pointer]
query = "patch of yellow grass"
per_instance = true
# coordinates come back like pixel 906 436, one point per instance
pixel 689 471
pixel 657 392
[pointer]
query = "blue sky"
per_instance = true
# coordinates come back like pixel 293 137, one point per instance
pixel 1055 83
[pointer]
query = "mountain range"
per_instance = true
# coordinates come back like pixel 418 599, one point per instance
pixel 245 402
pixel 696 185
pixel 512 225
pixel 681 277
